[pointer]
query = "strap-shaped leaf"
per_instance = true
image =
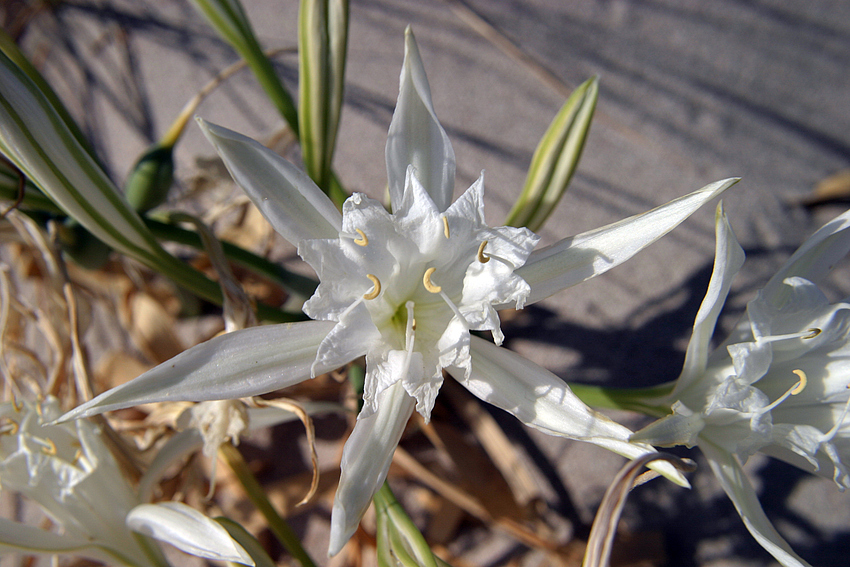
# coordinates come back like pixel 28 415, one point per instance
pixel 322 46
pixel 556 158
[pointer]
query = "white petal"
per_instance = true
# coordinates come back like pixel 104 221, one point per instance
pixel 416 137
pixel 814 259
pixel 541 400
pixel 741 492
pixel 728 259
pixel 365 461
pixel 468 209
pixel 248 362
pixel 575 259
pixel 287 197
pixel 416 216
pixel 20 538
pixel 188 530
pixel 350 338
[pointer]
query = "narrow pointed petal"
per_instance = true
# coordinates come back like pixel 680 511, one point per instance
pixel 742 494
pixel 286 196
pixel 814 259
pixel 541 400
pixel 188 530
pixel 243 363
pixel 728 259
pixel 578 258
pixel 416 137
pixel 20 538
pixel 365 461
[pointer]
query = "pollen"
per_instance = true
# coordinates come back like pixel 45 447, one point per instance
pixel 481 257
pixel 426 281
pixel 801 385
pixel 446 227
pixel 376 289
pixel 362 240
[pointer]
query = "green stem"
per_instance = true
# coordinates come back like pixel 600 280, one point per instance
pixel 632 399
pixel 400 523
pixel 257 495
pixel 152 551
pixel 301 286
pixel 336 191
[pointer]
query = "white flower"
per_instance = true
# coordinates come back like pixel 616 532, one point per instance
pixel 68 470
pixel 778 385
pixel 406 288
pixel 403 288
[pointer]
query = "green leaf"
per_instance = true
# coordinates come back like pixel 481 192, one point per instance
pixel 555 158
pixel 322 45
pixel 8 47
pixel 38 141
pixel 230 21
pixel 247 541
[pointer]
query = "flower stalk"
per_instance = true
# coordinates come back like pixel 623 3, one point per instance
pixel 257 495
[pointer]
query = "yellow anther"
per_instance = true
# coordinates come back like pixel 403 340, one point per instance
pixel 49 447
pixel 413 326
pixel 363 240
pixel 812 333
pixel 16 404
pixel 77 456
pixel 9 428
pixel 376 290
pixel 446 227
pixel 481 257
pixel 426 281
pixel 801 385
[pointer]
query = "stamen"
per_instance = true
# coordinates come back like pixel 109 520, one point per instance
pixel 827 437
pixel 805 335
pixel 409 339
pixel 9 428
pixel 363 240
pixel 481 257
pixel 411 326
pixel 48 447
pixel 792 391
pixel 77 456
pixel 426 281
pixel 376 290
pixel 454 309
pixel 446 227
pixel 801 385
pixel 16 404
